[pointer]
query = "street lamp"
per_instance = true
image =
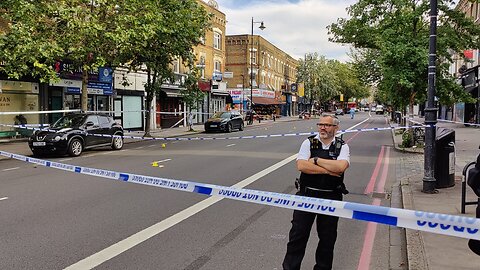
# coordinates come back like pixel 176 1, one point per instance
pixel 243 92
pixel 251 62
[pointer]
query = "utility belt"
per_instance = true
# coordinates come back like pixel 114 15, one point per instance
pixel 318 192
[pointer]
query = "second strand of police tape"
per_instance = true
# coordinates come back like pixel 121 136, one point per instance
pixel 459 226
pixel 224 138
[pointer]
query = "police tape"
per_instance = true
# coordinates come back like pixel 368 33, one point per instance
pixel 112 112
pixel 456 122
pixel 225 138
pixel 39 112
pixel 458 226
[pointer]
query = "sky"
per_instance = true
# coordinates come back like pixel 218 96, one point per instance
pixel 294 26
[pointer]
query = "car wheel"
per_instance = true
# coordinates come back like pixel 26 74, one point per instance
pixel 229 128
pixel 241 126
pixel 117 142
pixel 75 148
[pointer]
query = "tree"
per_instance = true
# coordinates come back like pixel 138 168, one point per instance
pixel 324 79
pixel 27 43
pixel 348 81
pixel 191 94
pixel 397 32
pixel 318 78
pixel 167 30
pixel 84 34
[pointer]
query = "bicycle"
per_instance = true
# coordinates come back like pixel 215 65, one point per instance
pixel 418 134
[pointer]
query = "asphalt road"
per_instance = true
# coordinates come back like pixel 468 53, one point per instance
pixel 54 220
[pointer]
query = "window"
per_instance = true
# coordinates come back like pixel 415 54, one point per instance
pixel 253 57
pixel 217 39
pixel 176 66
pixel 218 66
pixel 201 65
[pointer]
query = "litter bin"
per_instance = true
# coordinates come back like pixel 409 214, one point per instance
pixel 445 158
pixel 398 116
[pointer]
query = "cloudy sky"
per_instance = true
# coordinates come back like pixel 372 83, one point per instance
pixel 295 26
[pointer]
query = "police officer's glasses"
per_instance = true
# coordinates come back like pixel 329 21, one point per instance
pixel 320 125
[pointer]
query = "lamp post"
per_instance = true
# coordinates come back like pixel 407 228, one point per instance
pixel 251 62
pixel 243 92
pixel 431 110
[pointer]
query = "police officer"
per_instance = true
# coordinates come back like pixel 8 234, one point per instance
pixel 322 161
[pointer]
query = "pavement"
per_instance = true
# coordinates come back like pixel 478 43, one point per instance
pixel 425 251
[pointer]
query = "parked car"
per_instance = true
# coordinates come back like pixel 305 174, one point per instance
pixel 379 109
pixel 339 112
pixel 224 121
pixel 73 133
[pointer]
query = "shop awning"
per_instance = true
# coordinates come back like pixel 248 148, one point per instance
pixel 266 101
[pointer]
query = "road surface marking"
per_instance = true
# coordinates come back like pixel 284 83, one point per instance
pixel 230 145
pixel 141 147
pixel 366 255
pixel 11 169
pixel 4 198
pixel 373 178
pixel 137 238
pixel 66 159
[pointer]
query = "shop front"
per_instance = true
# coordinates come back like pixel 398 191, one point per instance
pixel 129 99
pixel 18 96
pixel 66 93
pixel 265 102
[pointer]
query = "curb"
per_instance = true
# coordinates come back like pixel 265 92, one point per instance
pixel 415 247
pixel 416 256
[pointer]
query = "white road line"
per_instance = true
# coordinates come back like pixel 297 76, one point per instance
pixel 4 198
pixel 11 169
pixel 230 145
pixel 66 159
pixel 133 240
pixel 163 160
pixel 141 147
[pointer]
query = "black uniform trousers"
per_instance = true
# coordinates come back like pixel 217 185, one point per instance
pixel 299 233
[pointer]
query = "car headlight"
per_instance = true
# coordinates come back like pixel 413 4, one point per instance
pixel 57 138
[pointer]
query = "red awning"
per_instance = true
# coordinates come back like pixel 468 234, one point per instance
pixel 266 101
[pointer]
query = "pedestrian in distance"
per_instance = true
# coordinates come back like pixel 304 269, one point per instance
pixel 322 161
pixel 352 113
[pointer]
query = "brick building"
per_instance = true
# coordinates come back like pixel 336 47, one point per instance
pixel 273 72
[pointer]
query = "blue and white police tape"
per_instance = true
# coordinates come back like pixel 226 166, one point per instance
pixel 227 138
pixel 456 122
pixel 39 112
pixel 459 226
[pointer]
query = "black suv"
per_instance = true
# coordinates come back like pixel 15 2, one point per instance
pixel 73 133
pixel 224 121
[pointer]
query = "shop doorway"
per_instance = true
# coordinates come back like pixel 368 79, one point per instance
pixel 55 102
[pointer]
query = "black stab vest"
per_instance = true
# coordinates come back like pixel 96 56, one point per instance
pixel 322 181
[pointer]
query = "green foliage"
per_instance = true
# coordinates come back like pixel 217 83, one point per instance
pixel 395 35
pixel 407 139
pixel 140 34
pixel 324 79
pixel 191 94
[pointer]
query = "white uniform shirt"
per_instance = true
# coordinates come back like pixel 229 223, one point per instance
pixel 304 153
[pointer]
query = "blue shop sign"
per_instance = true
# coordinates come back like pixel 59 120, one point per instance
pixel 105 74
pixel 96 88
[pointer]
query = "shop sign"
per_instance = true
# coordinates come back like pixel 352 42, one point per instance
pixel 67 83
pixel 94 88
pixel 27 87
pixel 105 74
